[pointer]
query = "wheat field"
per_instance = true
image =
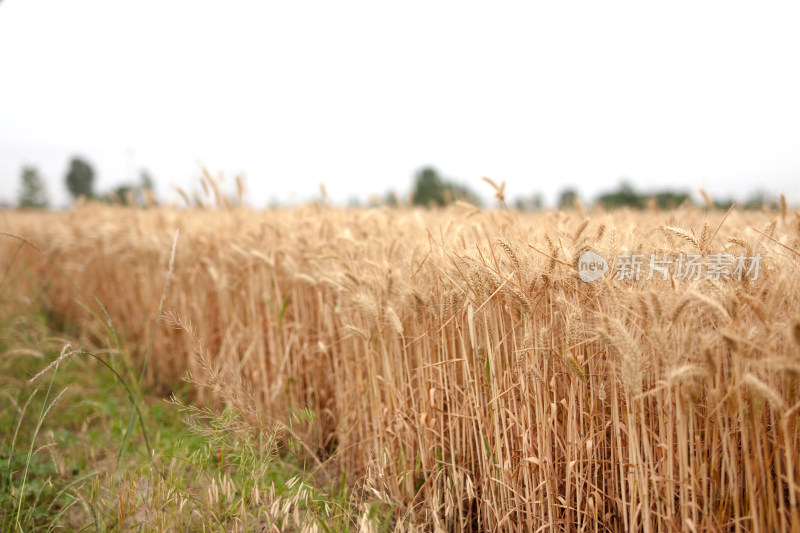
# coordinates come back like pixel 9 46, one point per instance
pixel 454 358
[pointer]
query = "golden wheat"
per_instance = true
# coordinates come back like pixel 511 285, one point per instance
pixel 458 367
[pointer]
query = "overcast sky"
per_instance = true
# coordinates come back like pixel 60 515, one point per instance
pixel 360 95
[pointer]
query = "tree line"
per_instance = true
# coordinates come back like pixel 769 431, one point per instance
pixel 80 182
pixel 429 189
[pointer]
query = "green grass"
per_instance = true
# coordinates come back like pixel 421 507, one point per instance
pixel 62 468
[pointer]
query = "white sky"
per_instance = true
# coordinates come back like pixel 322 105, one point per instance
pixel 360 95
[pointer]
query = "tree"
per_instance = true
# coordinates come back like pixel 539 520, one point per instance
pixel 431 189
pixel 33 192
pixel 671 199
pixel 533 202
pixel 147 188
pixel 625 196
pixel 146 180
pixel 123 194
pixel 80 179
pixel 759 199
pixel 129 194
pixel 428 188
pixel 566 199
pixel 391 199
